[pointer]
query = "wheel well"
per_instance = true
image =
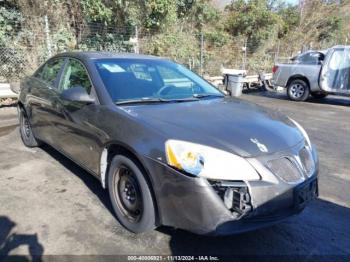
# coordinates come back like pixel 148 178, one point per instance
pixel 106 158
pixel 298 77
pixel 21 108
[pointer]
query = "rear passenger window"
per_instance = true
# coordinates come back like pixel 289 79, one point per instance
pixel 50 70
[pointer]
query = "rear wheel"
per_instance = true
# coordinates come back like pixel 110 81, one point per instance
pixel 298 90
pixel 130 195
pixel 319 95
pixel 26 130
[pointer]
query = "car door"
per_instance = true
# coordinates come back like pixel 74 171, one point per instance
pixel 76 135
pixel 43 94
pixel 335 73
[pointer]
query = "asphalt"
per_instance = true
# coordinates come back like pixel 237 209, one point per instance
pixel 48 205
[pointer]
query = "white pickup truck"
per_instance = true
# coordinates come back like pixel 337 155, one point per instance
pixel 315 73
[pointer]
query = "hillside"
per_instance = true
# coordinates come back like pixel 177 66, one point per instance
pixel 204 34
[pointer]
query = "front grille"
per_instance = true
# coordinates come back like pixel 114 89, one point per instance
pixel 307 161
pixel 285 169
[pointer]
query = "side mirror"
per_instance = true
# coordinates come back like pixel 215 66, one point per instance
pixel 77 94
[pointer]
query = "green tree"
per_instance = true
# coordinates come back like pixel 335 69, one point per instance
pixel 252 19
pixel 96 11
pixel 10 23
pixel 290 16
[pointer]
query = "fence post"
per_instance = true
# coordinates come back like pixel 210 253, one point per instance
pixel 278 52
pixel 134 40
pixel 137 47
pixel 244 49
pixel 47 34
pixel 202 54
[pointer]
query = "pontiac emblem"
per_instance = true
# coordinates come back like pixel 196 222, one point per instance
pixel 261 146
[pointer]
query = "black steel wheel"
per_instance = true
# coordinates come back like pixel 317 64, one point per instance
pixel 130 195
pixel 26 130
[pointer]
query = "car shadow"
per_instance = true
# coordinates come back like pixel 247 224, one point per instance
pixel 329 100
pixel 322 229
pixel 90 181
pixel 10 240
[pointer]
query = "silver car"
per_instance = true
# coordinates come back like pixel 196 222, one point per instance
pixel 315 73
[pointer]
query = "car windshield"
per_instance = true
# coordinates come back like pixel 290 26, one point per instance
pixel 152 80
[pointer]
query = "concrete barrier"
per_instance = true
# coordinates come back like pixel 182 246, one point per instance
pixel 6 92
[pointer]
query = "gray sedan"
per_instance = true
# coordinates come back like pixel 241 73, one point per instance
pixel 169 147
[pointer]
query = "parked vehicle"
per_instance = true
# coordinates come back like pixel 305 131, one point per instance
pixel 170 148
pixel 318 73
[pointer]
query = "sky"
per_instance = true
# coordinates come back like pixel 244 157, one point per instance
pixel 294 2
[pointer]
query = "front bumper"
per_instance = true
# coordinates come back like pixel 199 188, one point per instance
pixel 195 204
pixel 192 203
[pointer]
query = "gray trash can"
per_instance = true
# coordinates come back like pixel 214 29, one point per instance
pixel 235 84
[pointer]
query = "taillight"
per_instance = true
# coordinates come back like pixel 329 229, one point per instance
pixel 274 69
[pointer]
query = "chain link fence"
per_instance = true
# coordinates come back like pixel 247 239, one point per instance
pixel 12 64
pixel 35 39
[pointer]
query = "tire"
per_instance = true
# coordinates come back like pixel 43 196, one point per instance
pixel 319 95
pixel 298 90
pixel 126 179
pixel 26 132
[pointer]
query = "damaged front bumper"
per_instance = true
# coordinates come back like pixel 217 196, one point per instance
pixel 227 207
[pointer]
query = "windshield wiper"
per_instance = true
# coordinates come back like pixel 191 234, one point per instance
pixel 199 96
pixel 186 99
pixel 146 100
pixel 143 100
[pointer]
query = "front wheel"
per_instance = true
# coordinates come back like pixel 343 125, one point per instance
pixel 130 195
pixel 26 130
pixel 298 90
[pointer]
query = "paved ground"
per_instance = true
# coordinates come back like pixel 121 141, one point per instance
pixel 48 205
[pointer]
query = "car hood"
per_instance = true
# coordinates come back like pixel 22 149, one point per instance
pixel 229 124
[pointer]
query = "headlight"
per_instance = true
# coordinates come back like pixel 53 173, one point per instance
pixel 303 132
pixel 208 162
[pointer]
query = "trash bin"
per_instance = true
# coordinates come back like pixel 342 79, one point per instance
pixel 235 84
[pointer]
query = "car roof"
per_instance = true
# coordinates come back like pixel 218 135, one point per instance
pixel 88 55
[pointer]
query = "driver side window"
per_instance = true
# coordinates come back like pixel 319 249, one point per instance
pixel 49 72
pixel 75 75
